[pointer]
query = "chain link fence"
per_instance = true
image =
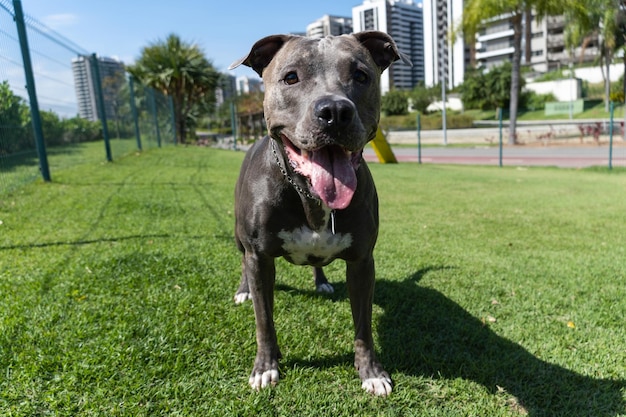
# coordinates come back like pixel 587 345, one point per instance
pixel 60 108
pixel 575 142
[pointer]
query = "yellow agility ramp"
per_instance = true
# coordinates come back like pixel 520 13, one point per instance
pixel 383 150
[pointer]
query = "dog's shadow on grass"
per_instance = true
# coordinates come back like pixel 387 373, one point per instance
pixel 423 333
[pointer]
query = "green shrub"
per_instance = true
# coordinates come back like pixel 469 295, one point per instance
pixel 428 122
pixel 422 97
pixel 395 102
pixel 533 101
pixel 80 130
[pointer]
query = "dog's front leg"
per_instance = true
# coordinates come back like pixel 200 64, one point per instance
pixel 360 279
pixel 260 273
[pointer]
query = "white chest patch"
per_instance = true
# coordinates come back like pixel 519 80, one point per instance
pixel 303 243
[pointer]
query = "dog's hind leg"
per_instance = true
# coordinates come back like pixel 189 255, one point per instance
pixel 321 282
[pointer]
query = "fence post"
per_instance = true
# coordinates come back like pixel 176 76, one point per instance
pixel 133 110
pixel 419 138
pixel 97 82
pixel 170 104
pixel 32 93
pixel 155 119
pixel 233 123
pixel 612 107
pixel 500 140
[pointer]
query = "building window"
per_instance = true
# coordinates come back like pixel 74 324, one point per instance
pixel 369 20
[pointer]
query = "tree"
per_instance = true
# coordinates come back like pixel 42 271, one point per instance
pixel 181 71
pixel 394 103
pixel 488 90
pixel 603 19
pixel 16 133
pixel 14 120
pixel 476 14
pixel 422 96
pixel 621 37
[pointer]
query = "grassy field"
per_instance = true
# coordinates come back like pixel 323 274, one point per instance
pixel 500 292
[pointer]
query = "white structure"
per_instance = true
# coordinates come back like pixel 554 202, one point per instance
pixel 594 74
pixel 452 103
pixel 440 19
pixel 247 85
pixel 403 20
pixel 568 89
pixel 329 25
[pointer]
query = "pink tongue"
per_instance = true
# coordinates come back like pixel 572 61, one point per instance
pixel 333 177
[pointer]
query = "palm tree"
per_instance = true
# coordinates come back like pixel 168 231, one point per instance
pixel 477 13
pixel 181 71
pixel 601 19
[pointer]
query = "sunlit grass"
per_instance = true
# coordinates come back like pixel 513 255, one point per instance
pixel 500 293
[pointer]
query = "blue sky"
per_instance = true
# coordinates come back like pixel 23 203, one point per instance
pixel 225 29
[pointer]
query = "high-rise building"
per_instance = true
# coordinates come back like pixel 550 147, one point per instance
pixel 403 20
pixel 440 16
pixel 111 77
pixel 329 25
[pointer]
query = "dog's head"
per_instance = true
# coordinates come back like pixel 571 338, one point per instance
pixel 322 102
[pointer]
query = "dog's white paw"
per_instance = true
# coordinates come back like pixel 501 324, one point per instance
pixel 266 379
pixel 242 297
pixel 325 288
pixel 378 386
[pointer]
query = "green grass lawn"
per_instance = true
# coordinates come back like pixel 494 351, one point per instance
pixel 500 292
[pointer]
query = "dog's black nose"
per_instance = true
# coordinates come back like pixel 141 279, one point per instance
pixel 334 112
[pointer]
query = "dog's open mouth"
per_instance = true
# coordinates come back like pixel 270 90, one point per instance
pixel 331 170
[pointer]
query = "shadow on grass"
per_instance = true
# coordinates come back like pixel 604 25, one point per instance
pixel 81 242
pixel 423 333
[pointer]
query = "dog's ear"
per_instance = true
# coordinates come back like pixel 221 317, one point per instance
pixel 262 53
pixel 382 48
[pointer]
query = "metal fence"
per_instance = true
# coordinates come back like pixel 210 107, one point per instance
pixel 38 102
pixel 564 143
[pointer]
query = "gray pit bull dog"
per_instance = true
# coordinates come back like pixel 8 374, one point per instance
pixel 305 192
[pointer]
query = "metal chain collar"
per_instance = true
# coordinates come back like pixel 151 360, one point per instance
pixel 289 179
pixel 299 189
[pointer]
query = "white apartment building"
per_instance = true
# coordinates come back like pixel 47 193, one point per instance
pixel 440 19
pixel 403 20
pixel 543 44
pixel 329 25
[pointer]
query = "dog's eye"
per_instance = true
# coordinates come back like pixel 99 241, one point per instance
pixel 360 76
pixel 291 78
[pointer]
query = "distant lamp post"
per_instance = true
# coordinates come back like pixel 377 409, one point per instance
pixel 571 94
pixel 444 74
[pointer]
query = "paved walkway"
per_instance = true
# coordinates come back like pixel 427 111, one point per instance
pixel 559 156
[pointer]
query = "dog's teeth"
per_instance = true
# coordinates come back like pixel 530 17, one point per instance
pixel 305 154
